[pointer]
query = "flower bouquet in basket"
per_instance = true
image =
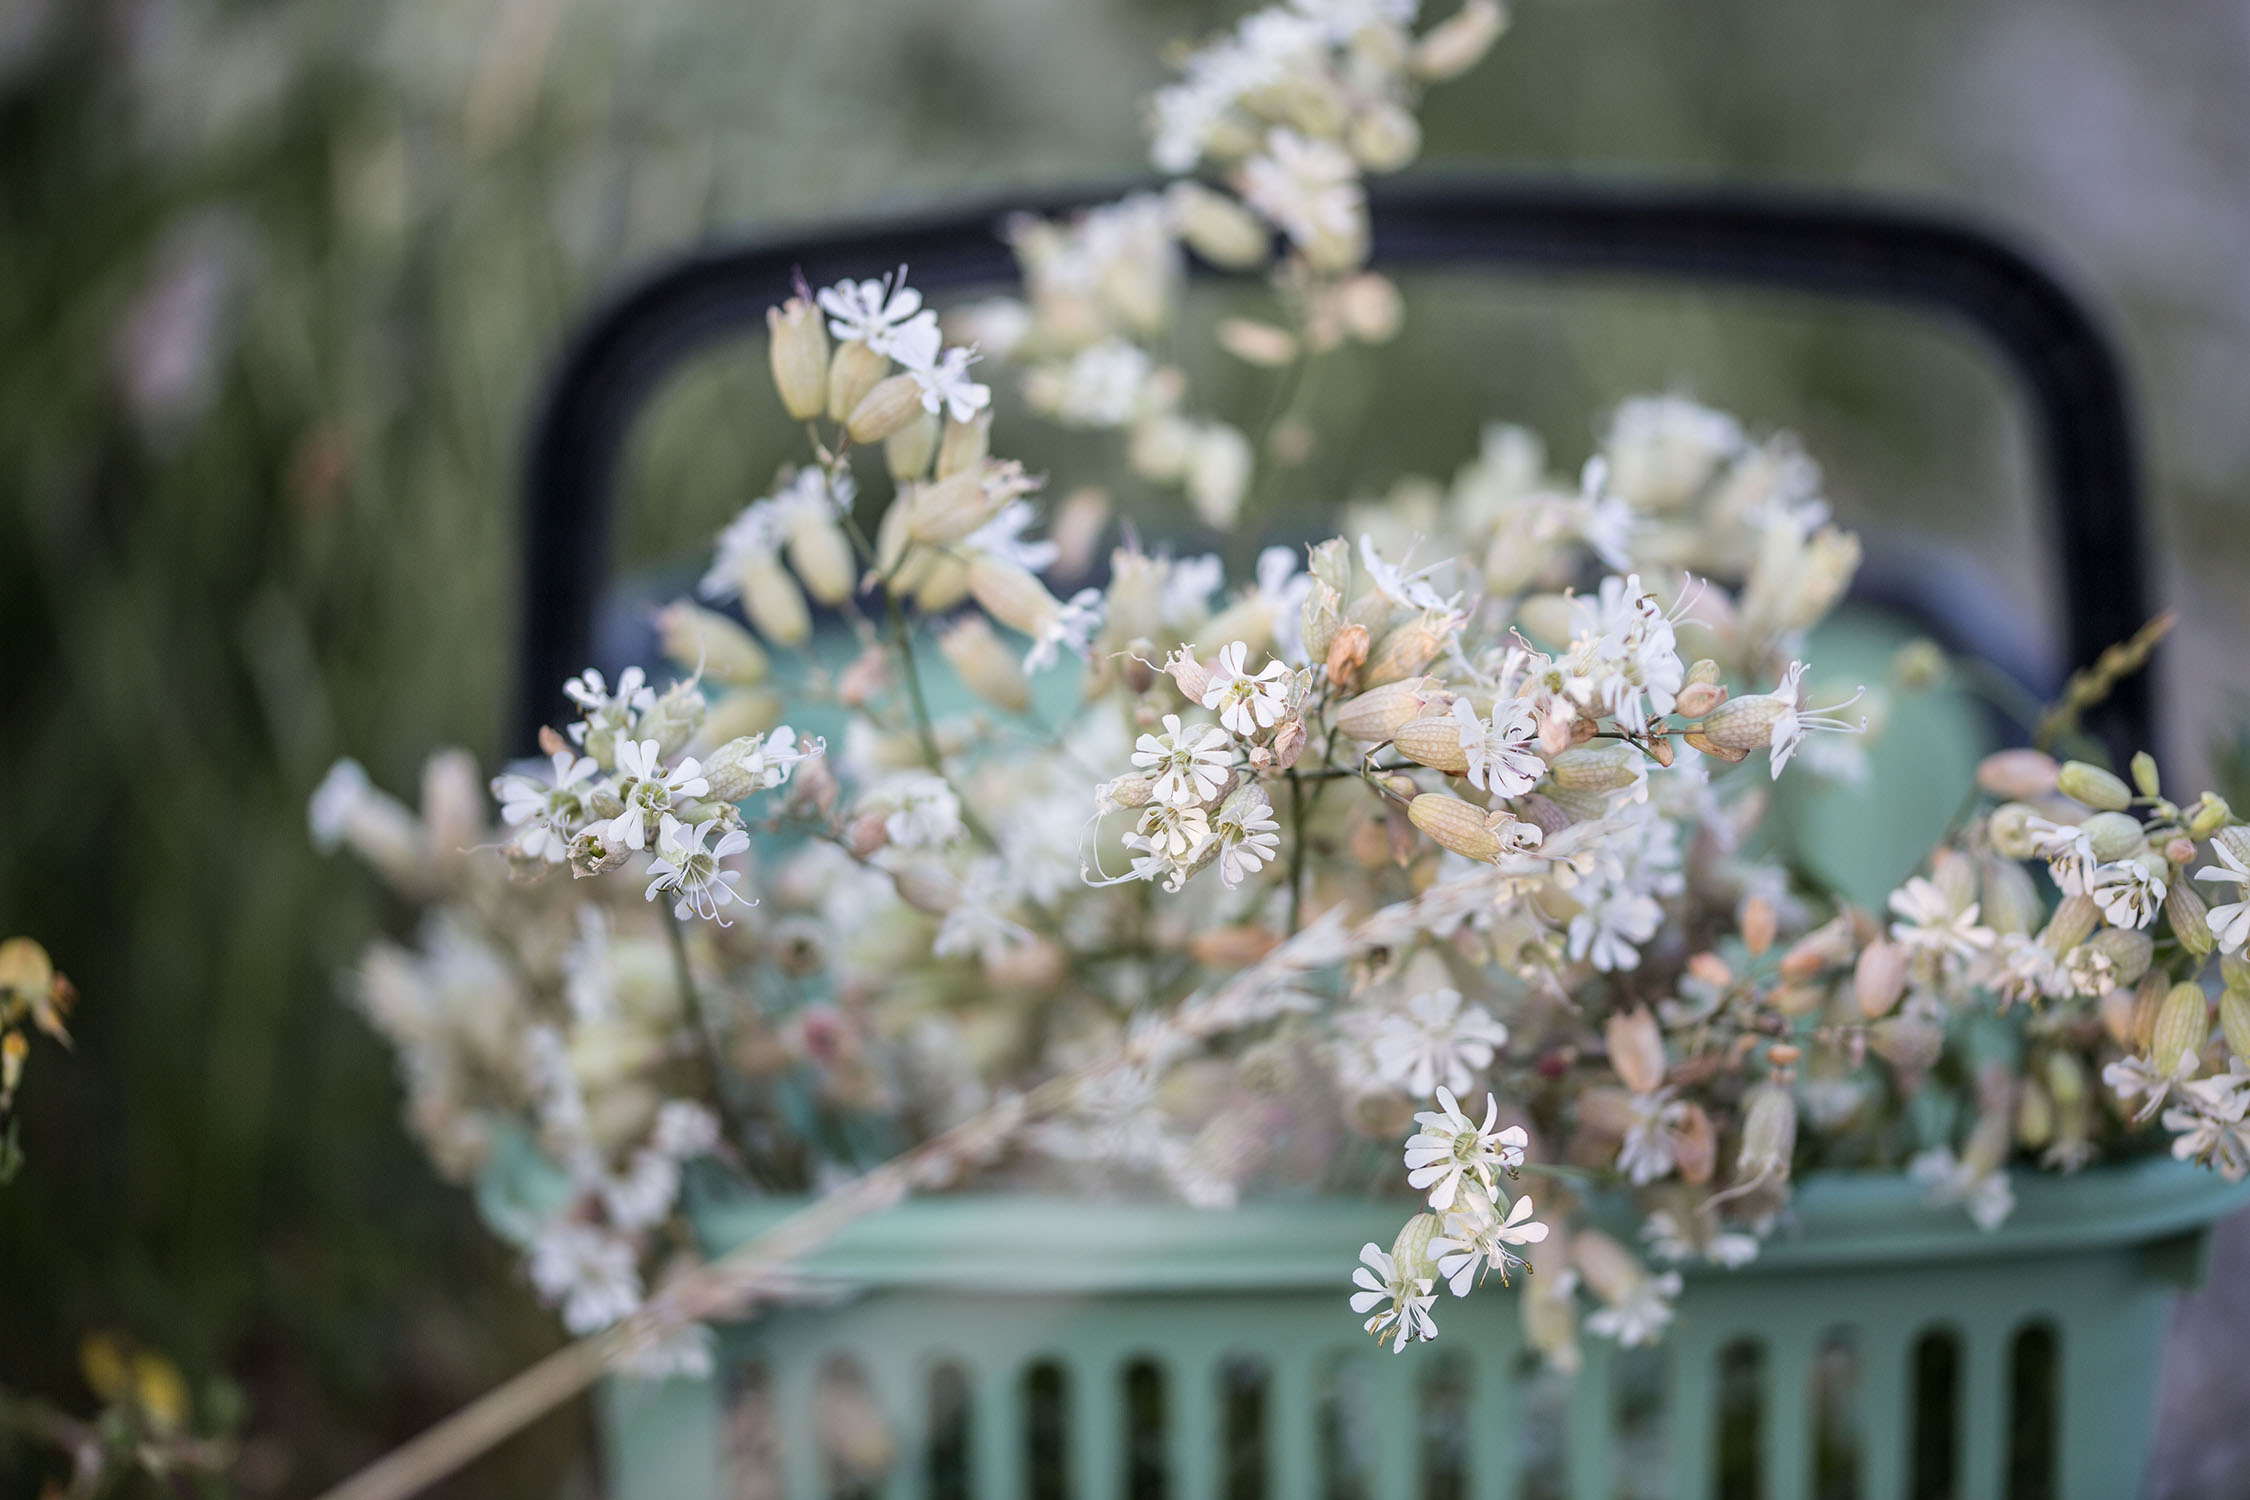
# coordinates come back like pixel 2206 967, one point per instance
pixel 1425 860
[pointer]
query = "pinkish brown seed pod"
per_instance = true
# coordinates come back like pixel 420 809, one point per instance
pixel 1879 980
pixel 2017 775
pixel 1347 653
pixel 1759 923
pixel 1289 742
pixel 1193 680
pixel 1699 698
pixel 1636 1049
pixel 1695 1145
pixel 853 373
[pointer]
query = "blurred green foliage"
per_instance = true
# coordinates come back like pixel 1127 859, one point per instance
pixel 278 283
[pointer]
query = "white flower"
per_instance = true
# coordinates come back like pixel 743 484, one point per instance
pixel 1175 833
pixel 691 872
pixel 591 1272
pixel 1310 191
pixel 1435 1040
pixel 1477 1235
pixel 776 754
pixel 1612 925
pixel 1248 837
pixel 334 802
pixel 1450 1148
pixel 887 316
pixel 1647 1152
pixel 1407 590
pixel 546 813
pixel 2068 850
pixel 974 925
pixel 920 810
pixel 946 386
pixel 1931 926
pixel 1672 1241
pixel 2230 923
pixel 684 1354
pixel 1100 386
pixel 1947 1179
pixel 1072 625
pixel 2138 1077
pixel 1405 1300
pixel 2211 1126
pixel 684 1130
pixel 1796 721
pixel 1501 757
pixel 2128 894
pixel 1002 538
pixel 1191 762
pixel 644 1195
pixel 647 787
pixel 603 709
pixel 1246 703
pixel 1641 1314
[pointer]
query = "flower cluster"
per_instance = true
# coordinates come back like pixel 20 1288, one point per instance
pixel 1470 796
pixel 33 997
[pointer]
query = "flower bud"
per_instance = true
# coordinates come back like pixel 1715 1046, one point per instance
pixel 2009 899
pixel 822 556
pixel 891 404
pixel 774 603
pixel 950 509
pixel 1379 713
pixel 2009 828
pixel 1460 41
pixel 1455 825
pixel 851 376
pixel 1769 1133
pixel 2128 953
pixel 1695 1145
pixel 1434 740
pixel 1347 653
pixel 1256 343
pixel 1218 228
pixel 2074 921
pixel 2181 1026
pixel 2149 998
pixel 1321 613
pixel 1371 307
pixel 1595 768
pixel 1289 742
pixel 1134 790
pixel 965 445
pixel 1384 137
pixel 1403 652
pixel 699 639
pixel 2234 1020
pixel 2190 917
pixel 1011 595
pixel 1699 698
pixel 907 452
pixel 1636 1049
pixel 988 667
pixel 1410 1252
pixel 2113 835
pixel 798 351
pixel 2211 814
pixel 1909 1043
pixel 1759 922
pixel 2145 778
pixel 1609 1268
pixel 2093 786
pixel 2018 775
pixel 1739 725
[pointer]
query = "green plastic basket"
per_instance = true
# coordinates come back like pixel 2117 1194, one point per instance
pixel 1020 1347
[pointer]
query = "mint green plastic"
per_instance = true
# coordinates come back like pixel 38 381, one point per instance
pixel 995 1286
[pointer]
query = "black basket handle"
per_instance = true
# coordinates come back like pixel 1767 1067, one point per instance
pixel 1830 246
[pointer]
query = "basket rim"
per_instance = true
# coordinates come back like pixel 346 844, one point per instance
pixel 1050 1244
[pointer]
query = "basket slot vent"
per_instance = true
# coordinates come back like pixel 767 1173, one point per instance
pixel 946 1456
pixel 1743 1422
pixel 1045 1433
pixel 1642 1422
pixel 1446 1388
pixel 2034 1410
pixel 1244 1390
pixel 1148 1436
pixel 1836 1395
pixel 1348 1426
pixel 752 1464
pixel 1936 1452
